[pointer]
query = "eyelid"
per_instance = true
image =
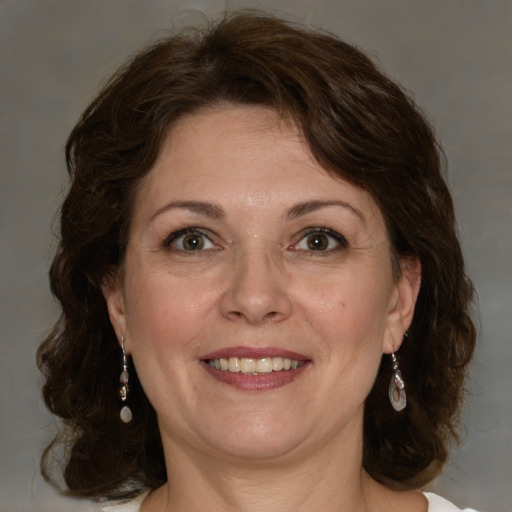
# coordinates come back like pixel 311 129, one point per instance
pixel 175 235
pixel 340 239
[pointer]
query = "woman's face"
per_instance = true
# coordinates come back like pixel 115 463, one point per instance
pixel 246 258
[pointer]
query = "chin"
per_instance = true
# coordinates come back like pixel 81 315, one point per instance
pixel 255 438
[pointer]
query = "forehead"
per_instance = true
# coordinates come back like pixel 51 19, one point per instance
pixel 232 139
pixel 245 156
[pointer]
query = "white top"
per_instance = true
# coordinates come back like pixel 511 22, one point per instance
pixel 438 504
pixel 435 504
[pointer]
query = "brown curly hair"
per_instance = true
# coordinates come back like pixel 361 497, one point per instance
pixel 359 125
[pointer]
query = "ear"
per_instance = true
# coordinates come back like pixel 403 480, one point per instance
pixel 402 303
pixel 112 290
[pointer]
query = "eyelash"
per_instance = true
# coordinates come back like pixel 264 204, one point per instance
pixel 339 239
pixel 181 233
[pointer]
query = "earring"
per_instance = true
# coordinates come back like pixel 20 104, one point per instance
pixel 397 387
pixel 126 413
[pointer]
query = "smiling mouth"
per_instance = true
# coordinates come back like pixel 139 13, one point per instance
pixel 253 366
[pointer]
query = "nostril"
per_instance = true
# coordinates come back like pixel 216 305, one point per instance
pixel 236 315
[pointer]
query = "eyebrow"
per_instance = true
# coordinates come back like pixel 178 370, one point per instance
pixel 200 207
pixel 215 212
pixel 311 206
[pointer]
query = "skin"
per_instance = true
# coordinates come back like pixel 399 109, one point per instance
pixel 257 282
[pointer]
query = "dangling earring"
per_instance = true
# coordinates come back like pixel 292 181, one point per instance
pixel 126 413
pixel 397 387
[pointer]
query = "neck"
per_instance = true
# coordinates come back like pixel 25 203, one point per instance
pixel 329 478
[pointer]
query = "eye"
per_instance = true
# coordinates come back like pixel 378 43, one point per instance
pixel 189 240
pixel 321 240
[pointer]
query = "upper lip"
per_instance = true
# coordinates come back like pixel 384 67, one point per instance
pixel 254 353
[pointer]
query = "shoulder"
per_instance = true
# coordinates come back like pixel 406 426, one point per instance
pixel 123 507
pixel 435 504
pixel 127 506
pixel 438 504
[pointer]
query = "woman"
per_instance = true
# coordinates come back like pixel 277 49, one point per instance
pixel 263 294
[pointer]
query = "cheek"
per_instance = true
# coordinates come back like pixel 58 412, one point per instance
pixel 162 313
pixel 348 317
pixel 165 327
pixel 348 304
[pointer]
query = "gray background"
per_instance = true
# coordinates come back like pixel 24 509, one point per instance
pixel 454 54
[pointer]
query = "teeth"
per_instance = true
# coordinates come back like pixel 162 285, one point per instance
pixel 234 364
pixel 247 365
pixel 277 364
pixel 264 365
pixel 255 366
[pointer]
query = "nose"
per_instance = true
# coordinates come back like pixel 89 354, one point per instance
pixel 258 290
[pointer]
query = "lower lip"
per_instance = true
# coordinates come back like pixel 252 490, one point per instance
pixel 249 382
